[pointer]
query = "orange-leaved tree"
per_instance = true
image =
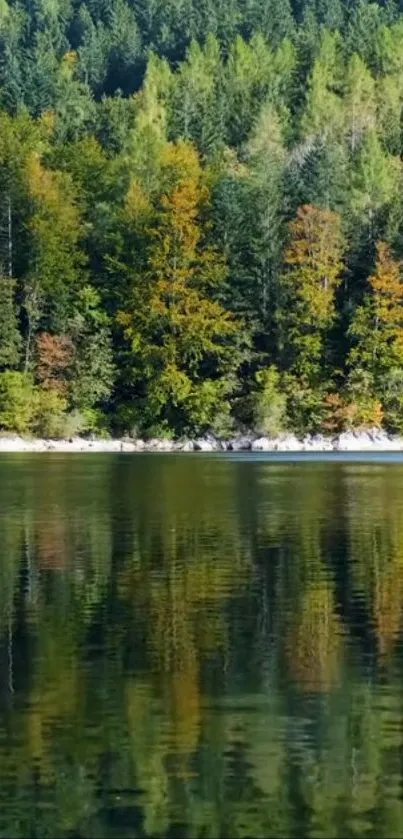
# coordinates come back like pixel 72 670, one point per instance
pixel 54 361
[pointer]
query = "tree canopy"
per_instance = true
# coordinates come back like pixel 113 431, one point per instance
pixel 203 203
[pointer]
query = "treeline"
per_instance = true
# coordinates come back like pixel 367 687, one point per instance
pixel 201 216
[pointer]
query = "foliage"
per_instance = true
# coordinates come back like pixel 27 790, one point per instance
pixel 306 405
pixel 49 418
pixel 10 337
pixel 17 401
pixel 54 360
pixel 269 403
pixel 183 343
pixel 377 328
pixel 191 195
pixel 364 409
pixel 313 267
pixel 92 366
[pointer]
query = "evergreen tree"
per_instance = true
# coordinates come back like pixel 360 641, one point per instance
pixel 10 337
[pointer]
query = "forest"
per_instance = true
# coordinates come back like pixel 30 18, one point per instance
pixel 201 216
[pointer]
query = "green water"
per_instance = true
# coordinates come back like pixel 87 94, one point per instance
pixel 200 647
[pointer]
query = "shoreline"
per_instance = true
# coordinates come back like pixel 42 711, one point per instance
pixel 352 441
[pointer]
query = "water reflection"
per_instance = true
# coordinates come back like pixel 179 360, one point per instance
pixel 200 647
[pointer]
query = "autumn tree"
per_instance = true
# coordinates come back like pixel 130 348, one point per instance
pixel 377 333
pixel 54 359
pixel 183 343
pixel 377 328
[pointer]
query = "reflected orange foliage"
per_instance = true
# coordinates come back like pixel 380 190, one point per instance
pixel 52 544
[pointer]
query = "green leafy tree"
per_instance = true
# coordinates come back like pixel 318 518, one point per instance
pixel 17 401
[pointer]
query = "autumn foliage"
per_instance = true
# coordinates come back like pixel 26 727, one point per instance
pixel 54 358
pixel 183 340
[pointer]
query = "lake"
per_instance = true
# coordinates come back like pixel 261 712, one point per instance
pixel 201 646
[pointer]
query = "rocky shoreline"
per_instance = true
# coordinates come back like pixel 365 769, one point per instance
pixel 374 440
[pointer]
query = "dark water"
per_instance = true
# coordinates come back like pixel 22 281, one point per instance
pixel 200 647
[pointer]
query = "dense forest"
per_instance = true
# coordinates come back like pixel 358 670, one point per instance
pixel 201 216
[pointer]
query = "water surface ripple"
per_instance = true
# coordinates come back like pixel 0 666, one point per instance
pixel 195 646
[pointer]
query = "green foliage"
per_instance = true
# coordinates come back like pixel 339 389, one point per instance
pixel 10 337
pixel 363 407
pixel 93 369
pixel 50 412
pixel 306 406
pixel 269 403
pixel 17 401
pixel 392 397
pixel 73 423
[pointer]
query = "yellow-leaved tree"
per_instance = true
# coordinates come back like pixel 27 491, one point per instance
pixel 376 357
pixel 183 343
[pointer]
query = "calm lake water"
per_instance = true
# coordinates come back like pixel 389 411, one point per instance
pixel 195 646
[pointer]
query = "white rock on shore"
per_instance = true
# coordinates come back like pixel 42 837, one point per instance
pixel 240 444
pixel 374 440
pixel 286 443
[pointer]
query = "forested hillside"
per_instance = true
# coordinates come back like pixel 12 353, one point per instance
pixel 201 215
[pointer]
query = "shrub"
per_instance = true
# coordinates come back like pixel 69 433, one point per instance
pixel 305 405
pixel 88 421
pixel 50 414
pixel 334 419
pixel 269 404
pixel 126 421
pixel 363 408
pixel 393 400
pixel 208 407
pixel 17 401
pixel 365 413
